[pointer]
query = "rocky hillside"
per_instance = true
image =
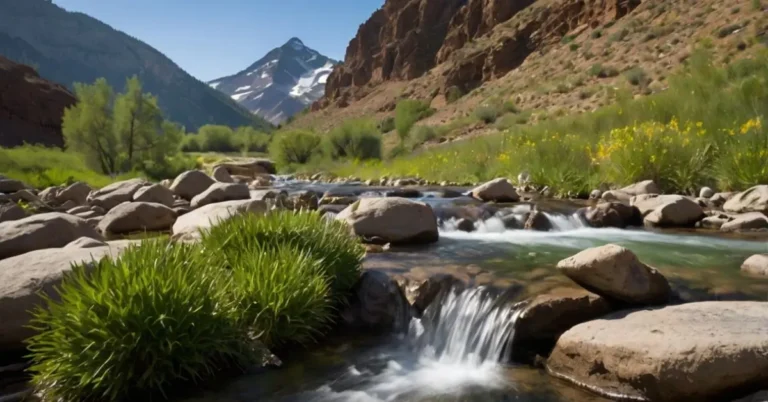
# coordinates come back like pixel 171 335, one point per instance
pixel 280 84
pixel 30 107
pixel 545 56
pixel 68 47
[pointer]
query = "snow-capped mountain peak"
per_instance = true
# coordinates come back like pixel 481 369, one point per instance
pixel 280 84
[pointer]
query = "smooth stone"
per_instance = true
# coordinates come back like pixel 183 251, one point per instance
pixel 191 183
pixel 667 210
pixel 11 186
pixel 76 192
pixel 391 220
pixel 11 212
pixel 221 175
pixel 643 187
pixel 611 215
pixel 706 192
pixel 537 221
pixel 753 200
pixel 746 221
pixel 220 192
pixel 85 242
pixel 133 217
pixel 48 230
pixel 154 193
pixel 756 265
pixel 496 190
pixel 115 193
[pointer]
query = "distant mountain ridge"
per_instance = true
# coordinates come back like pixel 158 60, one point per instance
pixel 68 47
pixel 280 84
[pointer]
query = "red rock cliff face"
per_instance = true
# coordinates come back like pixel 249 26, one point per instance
pixel 31 108
pixel 407 38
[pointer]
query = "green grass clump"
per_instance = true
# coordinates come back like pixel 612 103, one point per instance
pixel 294 147
pixel 387 124
pixel 135 326
pixel 407 113
pixel 328 241
pixel 355 139
pixel 487 113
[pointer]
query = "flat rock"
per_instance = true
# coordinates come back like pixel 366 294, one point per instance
pixel 220 192
pixel 746 221
pixel 187 227
pixel 250 167
pixel 49 230
pixel 756 265
pixel 690 352
pixel 643 187
pixel 24 277
pixel 156 193
pixel 496 190
pixel 11 212
pixel 191 183
pixel 115 193
pixel 85 242
pixel 667 210
pixel 615 272
pixel 753 200
pixel 133 217
pixel 391 220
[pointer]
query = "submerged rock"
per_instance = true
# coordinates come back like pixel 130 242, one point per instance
pixel 615 272
pixel 115 194
pixel 611 214
pixel 537 221
pixel 53 229
pixel 756 265
pixel 465 225
pixel 391 220
pixel 133 217
pixel 191 183
pixel 497 190
pixel 753 200
pixel 377 304
pixel 690 352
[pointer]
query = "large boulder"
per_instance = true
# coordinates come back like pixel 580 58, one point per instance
pixel 615 272
pixel 611 214
pixel 616 196
pixel 187 227
pixel 643 187
pixel 753 200
pixel 75 192
pixel 377 303
pixel 756 265
pixel 115 193
pixel 25 278
pixel 690 352
pixel 391 220
pixel 221 175
pixel 10 212
pixel 249 168
pixel 497 190
pixel 191 183
pixel 746 221
pixel 49 230
pixel 133 217
pixel 667 210
pixel 11 186
pixel 219 192
pixel 156 193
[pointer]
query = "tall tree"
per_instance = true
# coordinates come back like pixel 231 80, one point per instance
pixel 137 122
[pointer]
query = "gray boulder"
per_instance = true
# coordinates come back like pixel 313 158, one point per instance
pixel 49 230
pixel 221 174
pixel 154 193
pixel 11 212
pixel 11 186
pixel 115 193
pixel 85 242
pixel 377 303
pixel 753 200
pixel 667 210
pixel 643 187
pixel 220 192
pixel 75 192
pixel 391 220
pixel 497 190
pixel 133 217
pixel 746 221
pixel 191 183
pixel 756 265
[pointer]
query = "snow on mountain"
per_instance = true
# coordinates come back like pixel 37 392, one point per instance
pixel 280 84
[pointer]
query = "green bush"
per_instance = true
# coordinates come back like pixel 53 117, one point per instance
pixel 487 113
pixel 453 94
pixel 330 241
pixel 407 113
pixel 191 143
pixel 354 139
pixel 283 293
pixel 294 147
pixel 422 134
pixel 386 125
pixel 215 138
pixel 636 76
pixel 600 71
pixel 135 326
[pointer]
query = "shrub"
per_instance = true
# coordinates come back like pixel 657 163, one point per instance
pixel 283 293
pixel 329 241
pixel 742 162
pixel 386 125
pixel 510 107
pixel 422 134
pixel 600 71
pixel 453 94
pixel 487 113
pixel 294 147
pixel 407 113
pixel 135 326
pixel 636 76
pixel 354 139
pixel 214 138
pixel 191 143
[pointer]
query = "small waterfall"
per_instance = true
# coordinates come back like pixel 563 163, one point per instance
pixel 471 326
pixel 562 223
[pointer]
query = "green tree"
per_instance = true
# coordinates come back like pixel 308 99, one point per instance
pixel 248 139
pixel 87 125
pixel 215 138
pixel 137 122
pixel 407 113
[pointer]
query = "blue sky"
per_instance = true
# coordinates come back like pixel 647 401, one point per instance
pixel 210 39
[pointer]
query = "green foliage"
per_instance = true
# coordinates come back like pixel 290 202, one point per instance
pixel 135 326
pixel 214 138
pixel 386 125
pixel 248 139
pixel 294 147
pixel 637 76
pixel 354 139
pixel 407 113
pixel 600 71
pixel 326 240
pixel 422 134
pixel 487 113
pixel 453 94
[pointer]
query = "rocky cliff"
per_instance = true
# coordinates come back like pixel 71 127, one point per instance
pixel 31 108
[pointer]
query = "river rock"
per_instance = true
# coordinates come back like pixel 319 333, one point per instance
pixel 616 196
pixel 79 210
pixel 25 277
pixel 428 290
pixel 719 199
pixel 753 200
pixel 187 227
pixel 537 221
pixel 643 187
pixel 191 183
pixel 24 195
pixel 465 225
pixel 497 190
pixel 756 265
pixel 547 316
pixel 377 303
pixel 76 192
pixel 85 242
pixel 115 193
pixel 132 217
pixel 250 168
pixel 11 212
pixel 746 221
pixel 391 220
pixel 615 272
pixel 611 214
pixel 706 192
pixel 595 194
pixel 219 192
pixel 690 352
pixel 88 214
pixel 347 200
pixel 11 186
pixel 221 174
pixel 154 193
pixel 261 181
pixel 667 210
pixel 714 221
pixel 53 229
